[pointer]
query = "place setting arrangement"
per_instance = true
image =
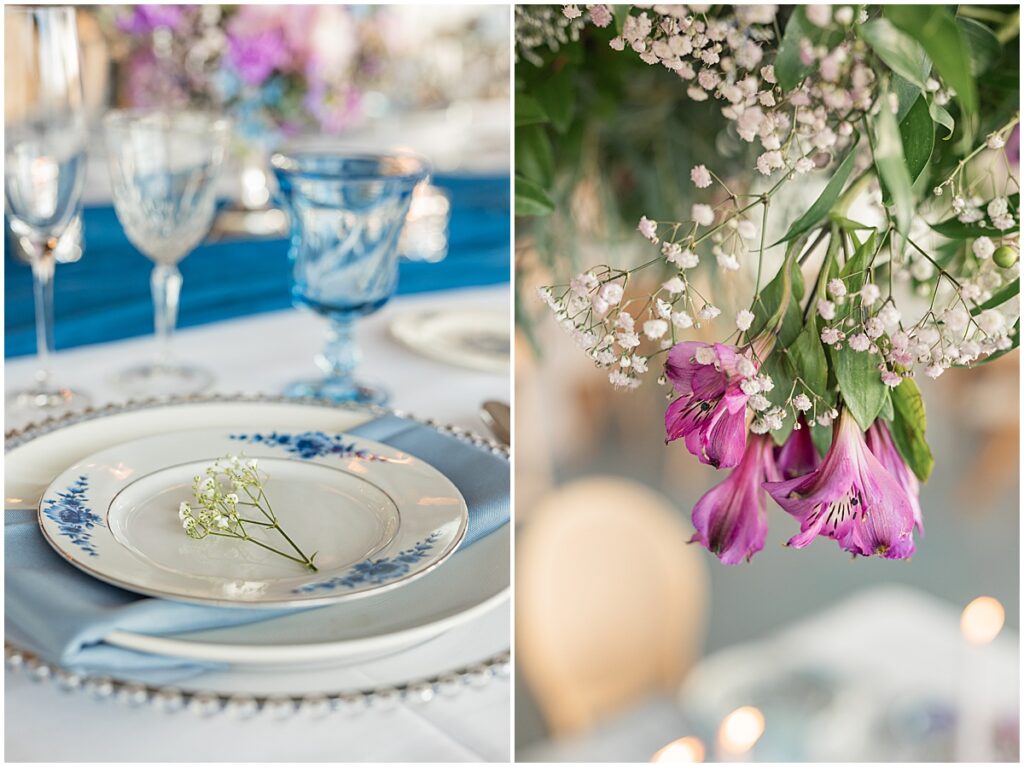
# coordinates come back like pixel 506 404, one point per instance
pixel 306 553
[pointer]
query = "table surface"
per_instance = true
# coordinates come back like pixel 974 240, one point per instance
pixel 472 726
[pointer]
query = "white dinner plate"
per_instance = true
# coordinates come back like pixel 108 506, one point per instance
pixel 472 338
pixel 375 517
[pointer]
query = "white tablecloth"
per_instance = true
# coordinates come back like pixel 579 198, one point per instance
pixel 43 724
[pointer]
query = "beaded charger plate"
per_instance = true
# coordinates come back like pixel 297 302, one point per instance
pixel 472 583
pixel 456 600
pixel 371 518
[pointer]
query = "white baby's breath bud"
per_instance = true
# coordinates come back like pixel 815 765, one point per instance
pixel 802 403
pixel 836 288
pixel 744 319
pixel 705 355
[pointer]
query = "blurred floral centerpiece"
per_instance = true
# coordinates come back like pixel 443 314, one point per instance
pixel 277 70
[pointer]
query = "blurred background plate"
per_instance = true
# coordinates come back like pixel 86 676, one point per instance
pixel 472 338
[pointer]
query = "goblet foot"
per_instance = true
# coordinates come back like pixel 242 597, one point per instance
pixel 43 401
pixel 163 379
pixel 339 390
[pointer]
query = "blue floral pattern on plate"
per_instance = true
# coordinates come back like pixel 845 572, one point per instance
pixel 377 571
pixel 309 444
pixel 70 512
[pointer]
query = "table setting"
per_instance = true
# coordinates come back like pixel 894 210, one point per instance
pixel 291 513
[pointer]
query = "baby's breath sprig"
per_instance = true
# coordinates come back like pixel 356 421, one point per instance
pixel 218 496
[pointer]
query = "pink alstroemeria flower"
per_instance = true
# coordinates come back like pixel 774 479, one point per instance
pixel 850 498
pixel 710 413
pixel 798 456
pixel 731 518
pixel 882 447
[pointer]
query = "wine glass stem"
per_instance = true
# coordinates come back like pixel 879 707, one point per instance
pixel 341 354
pixel 165 283
pixel 43 264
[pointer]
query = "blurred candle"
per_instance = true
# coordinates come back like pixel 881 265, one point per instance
pixel 738 733
pixel 980 623
pixel 688 749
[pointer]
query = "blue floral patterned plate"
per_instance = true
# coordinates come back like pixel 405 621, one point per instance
pixel 376 517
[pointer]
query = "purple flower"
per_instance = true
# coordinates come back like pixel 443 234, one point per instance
pixel 851 498
pixel 798 456
pixel 1013 147
pixel 710 413
pixel 143 19
pixel 880 444
pixel 731 518
pixel 255 57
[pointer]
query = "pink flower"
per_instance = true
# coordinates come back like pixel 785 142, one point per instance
pixel 710 413
pixel 850 498
pixel 798 456
pixel 880 443
pixel 731 518
pixel 700 176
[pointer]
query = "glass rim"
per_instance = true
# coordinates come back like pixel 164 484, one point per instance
pixel 128 115
pixel 289 160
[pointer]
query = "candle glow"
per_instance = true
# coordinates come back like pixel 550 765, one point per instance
pixel 741 729
pixel 982 620
pixel 688 750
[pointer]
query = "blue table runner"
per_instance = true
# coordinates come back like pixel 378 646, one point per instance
pixel 105 296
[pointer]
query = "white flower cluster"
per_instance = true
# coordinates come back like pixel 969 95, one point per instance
pixel 995 214
pixel 216 497
pixel 541 27
pixel 723 57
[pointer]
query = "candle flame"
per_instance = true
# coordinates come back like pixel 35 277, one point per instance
pixel 741 729
pixel 688 749
pixel 982 620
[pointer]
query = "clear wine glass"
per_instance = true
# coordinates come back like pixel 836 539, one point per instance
pixel 347 212
pixel 44 169
pixel 163 169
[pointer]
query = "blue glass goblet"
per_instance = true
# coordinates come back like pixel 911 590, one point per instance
pixel 347 211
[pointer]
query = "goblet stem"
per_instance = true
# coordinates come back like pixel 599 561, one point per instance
pixel 341 354
pixel 165 283
pixel 43 265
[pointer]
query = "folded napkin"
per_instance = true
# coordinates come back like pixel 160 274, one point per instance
pixel 63 614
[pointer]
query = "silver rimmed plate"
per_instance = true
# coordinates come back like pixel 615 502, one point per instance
pixel 378 518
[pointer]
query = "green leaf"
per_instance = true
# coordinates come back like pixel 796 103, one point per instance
pixel 781 373
pixel 822 437
pixel 860 383
pixel 899 51
pixel 619 14
pixel 854 271
pixel 807 356
pixel 769 301
pixel 942 39
pixel 821 207
pixel 534 157
pixel 917 132
pixel 789 69
pixel 558 98
pixel 887 412
pixel 906 94
pixel 943 118
pixel 529 111
pixel 984 45
pixel 849 225
pixel 908 427
pixel 955 230
pixel 892 167
pixel 531 200
pixel 999 298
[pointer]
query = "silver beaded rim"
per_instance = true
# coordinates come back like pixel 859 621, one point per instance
pixel 243 705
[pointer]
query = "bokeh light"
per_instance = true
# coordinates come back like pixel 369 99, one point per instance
pixel 982 620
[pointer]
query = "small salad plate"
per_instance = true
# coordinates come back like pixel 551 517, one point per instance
pixel 376 517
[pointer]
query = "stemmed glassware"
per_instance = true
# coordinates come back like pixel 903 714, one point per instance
pixel 347 211
pixel 44 168
pixel 163 168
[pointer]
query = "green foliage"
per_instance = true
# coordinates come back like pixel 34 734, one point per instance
pixel 908 427
pixel 828 197
pixel 891 165
pixel 957 230
pixel 859 383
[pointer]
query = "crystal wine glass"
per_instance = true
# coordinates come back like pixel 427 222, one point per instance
pixel 347 212
pixel 44 168
pixel 163 168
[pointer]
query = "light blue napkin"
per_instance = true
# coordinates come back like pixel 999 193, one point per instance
pixel 63 614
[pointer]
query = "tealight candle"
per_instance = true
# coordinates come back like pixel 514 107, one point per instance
pixel 688 749
pixel 739 731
